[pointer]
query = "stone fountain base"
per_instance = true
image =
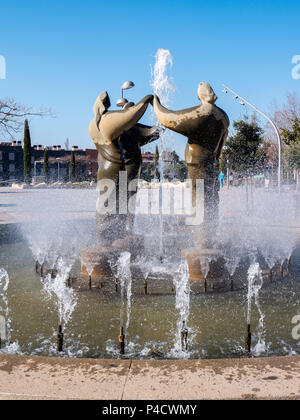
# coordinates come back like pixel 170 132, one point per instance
pixel 97 261
pixel 196 259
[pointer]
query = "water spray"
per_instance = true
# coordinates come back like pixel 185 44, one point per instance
pixel 5 331
pixel 255 283
pixel 288 265
pixel 182 286
pixel 231 283
pixel 163 87
pixel 184 336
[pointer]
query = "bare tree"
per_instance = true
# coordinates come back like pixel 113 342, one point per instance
pixel 12 116
pixel 284 115
pixel 272 154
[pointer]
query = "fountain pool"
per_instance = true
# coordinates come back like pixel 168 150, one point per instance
pixel 216 321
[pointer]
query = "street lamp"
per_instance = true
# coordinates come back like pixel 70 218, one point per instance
pixel 58 160
pixel 121 102
pixel 34 171
pixel 243 102
pixel 126 85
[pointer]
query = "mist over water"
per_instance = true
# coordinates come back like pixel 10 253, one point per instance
pixel 267 231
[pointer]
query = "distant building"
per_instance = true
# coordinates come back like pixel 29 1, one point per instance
pixel 11 161
pixel 12 166
pixel 91 163
pixel 148 157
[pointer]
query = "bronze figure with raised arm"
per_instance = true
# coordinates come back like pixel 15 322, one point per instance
pixel 206 127
pixel 118 138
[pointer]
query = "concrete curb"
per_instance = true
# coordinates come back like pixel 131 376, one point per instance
pixel 26 378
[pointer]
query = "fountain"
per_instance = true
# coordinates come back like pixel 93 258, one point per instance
pixel 255 283
pixel 159 270
pixel 4 307
pixel 182 288
pixel 206 127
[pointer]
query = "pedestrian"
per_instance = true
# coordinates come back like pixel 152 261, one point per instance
pixel 221 179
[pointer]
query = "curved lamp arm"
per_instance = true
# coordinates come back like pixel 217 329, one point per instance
pixel 275 129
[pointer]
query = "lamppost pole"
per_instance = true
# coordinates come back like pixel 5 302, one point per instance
pixel 58 168
pixel 237 96
pixel 34 172
pixel 228 174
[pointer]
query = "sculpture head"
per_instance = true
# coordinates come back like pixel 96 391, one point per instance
pixel 101 106
pixel 107 125
pixel 206 93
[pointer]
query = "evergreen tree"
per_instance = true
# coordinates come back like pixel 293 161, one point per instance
pixel 245 151
pixel 292 136
pixel 292 157
pixel 180 171
pixel 147 172
pixel 291 152
pixel 156 161
pixel 46 165
pixel 27 154
pixel 72 167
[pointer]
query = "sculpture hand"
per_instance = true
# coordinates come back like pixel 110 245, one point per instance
pixel 150 99
pixel 156 98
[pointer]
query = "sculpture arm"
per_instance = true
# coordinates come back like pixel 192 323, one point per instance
pixel 221 143
pixel 226 124
pixel 185 121
pixel 144 134
pixel 114 123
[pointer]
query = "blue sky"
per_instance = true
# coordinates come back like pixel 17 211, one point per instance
pixel 62 54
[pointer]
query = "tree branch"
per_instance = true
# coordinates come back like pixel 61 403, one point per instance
pixel 12 116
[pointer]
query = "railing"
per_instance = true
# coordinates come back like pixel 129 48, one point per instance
pixel 9 181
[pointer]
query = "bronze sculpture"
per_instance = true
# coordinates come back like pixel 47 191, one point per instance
pixel 206 127
pixel 118 138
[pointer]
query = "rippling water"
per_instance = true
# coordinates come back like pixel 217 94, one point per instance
pixel 217 322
